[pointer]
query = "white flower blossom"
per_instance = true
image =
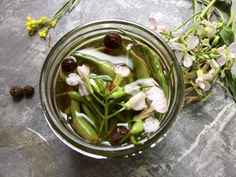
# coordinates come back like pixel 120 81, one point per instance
pixel 123 71
pixel 137 102
pixel 181 51
pixel 203 84
pixel 158 99
pixel 203 79
pixel 226 53
pixel 207 28
pixel 155 26
pixel 73 79
pixel 83 70
pixel 151 124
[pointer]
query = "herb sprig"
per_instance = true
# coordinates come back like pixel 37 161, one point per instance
pixel 44 24
pixel 206 50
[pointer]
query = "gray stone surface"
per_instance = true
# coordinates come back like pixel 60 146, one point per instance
pixel 202 143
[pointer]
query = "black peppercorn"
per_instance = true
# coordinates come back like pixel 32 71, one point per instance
pixel 16 91
pixel 28 91
pixel 112 40
pixel 69 64
pixel 117 134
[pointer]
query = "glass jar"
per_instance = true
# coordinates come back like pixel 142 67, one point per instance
pixel 72 41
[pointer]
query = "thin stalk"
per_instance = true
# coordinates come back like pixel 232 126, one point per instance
pixel 96 109
pixel 195 6
pixel 203 13
pixel 117 112
pixel 106 115
pixel 217 11
pixel 61 94
pixel 183 24
pixel 100 101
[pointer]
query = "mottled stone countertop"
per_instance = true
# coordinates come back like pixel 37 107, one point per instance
pixel 202 143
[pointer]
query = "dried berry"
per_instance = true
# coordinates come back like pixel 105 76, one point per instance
pixel 69 64
pixel 112 40
pixel 28 90
pixel 16 91
pixel 118 133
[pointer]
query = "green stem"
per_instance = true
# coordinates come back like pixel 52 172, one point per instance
pixel 96 109
pixel 203 13
pixel 61 94
pixel 106 115
pixel 195 5
pixel 100 101
pixel 207 8
pixel 217 11
pixel 117 112
pixel 183 24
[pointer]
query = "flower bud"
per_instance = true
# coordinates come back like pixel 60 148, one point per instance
pixel 215 41
pixel 137 127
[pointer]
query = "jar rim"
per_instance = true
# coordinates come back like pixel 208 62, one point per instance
pixel 69 141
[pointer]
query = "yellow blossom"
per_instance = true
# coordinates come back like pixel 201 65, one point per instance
pixel 42 20
pixel 43 33
pixel 53 23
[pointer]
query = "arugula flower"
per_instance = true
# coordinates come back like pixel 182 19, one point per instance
pixel 33 25
pixel 137 102
pixel 182 51
pixel 73 79
pixel 151 124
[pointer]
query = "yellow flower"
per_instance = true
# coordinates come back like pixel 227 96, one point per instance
pixel 29 19
pixel 53 23
pixel 42 20
pixel 43 33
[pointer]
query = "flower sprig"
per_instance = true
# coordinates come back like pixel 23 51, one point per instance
pixel 206 50
pixel 44 24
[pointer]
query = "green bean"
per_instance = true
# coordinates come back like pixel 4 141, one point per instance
pixel 76 96
pixel 88 113
pixel 141 69
pixel 156 67
pixel 104 67
pixel 81 125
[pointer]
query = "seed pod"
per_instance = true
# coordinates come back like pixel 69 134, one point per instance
pixel 81 125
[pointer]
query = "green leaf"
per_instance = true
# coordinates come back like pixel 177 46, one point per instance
pixel 227 35
pixel 230 81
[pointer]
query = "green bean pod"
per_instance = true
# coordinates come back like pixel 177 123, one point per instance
pixel 141 69
pixel 81 125
pixel 156 67
pixel 76 96
pixel 89 113
pixel 104 67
